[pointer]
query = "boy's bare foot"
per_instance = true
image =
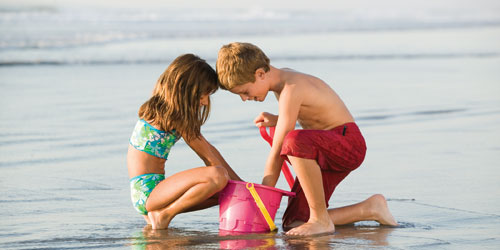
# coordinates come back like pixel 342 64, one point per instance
pixel 293 225
pixel 380 211
pixel 159 219
pixel 312 228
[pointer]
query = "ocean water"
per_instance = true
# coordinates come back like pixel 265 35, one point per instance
pixel 422 82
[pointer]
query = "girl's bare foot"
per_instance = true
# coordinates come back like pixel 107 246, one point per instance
pixel 380 211
pixel 313 227
pixel 147 219
pixel 160 219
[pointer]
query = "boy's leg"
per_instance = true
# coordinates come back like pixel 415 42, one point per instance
pixel 297 211
pixel 309 174
pixel 374 208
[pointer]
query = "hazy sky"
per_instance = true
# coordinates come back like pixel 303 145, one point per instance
pixel 289 4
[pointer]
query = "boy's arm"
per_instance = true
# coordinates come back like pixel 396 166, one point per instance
pixel 265 119
pixel 289 106
pixel 210 155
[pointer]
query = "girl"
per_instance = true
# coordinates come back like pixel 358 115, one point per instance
pixel 180 104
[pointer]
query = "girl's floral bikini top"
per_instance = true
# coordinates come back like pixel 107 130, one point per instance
pixel 155 142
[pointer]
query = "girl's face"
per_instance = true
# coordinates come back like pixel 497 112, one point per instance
pixel 204 100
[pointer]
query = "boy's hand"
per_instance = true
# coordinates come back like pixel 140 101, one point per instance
pixel 265 119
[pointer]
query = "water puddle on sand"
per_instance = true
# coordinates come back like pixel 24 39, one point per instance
pixel 357 236
pixel 426 226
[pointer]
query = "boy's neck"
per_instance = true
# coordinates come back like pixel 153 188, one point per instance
pixel 276 79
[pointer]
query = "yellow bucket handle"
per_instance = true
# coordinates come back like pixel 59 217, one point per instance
pixel 261 206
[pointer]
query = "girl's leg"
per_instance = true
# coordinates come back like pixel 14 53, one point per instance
pixel 309 174
pixel 147 219
pixel 184 191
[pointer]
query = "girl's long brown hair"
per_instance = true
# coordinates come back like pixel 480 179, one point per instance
pixel 175 102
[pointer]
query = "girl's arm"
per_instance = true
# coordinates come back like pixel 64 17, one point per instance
pixel 289 106
pixel 230 171
pixel 210 155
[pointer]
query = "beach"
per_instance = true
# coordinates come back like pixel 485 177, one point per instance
pixel 425 92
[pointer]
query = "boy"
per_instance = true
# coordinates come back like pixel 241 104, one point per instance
pixel 324 152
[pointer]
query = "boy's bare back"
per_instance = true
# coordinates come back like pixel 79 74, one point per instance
pixel 319 106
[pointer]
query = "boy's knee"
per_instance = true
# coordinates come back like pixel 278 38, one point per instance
pixel 295 137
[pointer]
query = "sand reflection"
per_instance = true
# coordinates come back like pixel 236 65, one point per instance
pixel 345 235
pixel 354 236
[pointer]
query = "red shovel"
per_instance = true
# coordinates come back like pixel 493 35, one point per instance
pixel 284 167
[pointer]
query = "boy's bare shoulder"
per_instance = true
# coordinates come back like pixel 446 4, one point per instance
pixel 320 106
pixel 307 84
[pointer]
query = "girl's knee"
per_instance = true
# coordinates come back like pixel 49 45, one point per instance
pixel 218 176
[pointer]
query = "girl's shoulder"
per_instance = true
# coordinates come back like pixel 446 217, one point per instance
pixel 150 125
pixel 155 128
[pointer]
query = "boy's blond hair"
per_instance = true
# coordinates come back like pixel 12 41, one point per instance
pixel 237 63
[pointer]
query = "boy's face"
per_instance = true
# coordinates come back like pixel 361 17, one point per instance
pixel 253 91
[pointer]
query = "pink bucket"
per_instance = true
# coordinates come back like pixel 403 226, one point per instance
pixel 239 212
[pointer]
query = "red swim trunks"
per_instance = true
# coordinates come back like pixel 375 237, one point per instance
pixel 338 151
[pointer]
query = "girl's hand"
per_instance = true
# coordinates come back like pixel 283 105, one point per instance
pixel 265 119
